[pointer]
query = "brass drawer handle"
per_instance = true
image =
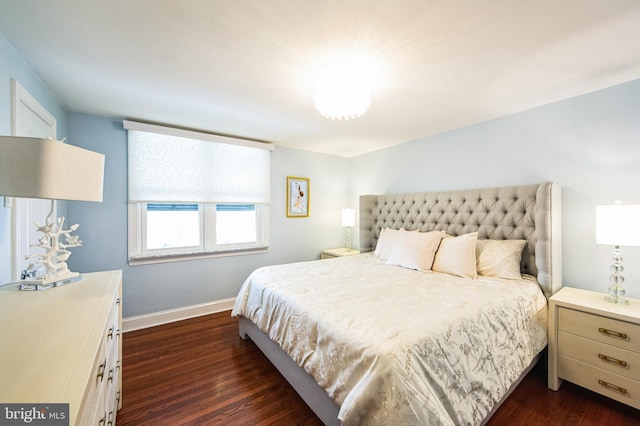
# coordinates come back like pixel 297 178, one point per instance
pixel 613 387
pixel 612 333
pixel 612 360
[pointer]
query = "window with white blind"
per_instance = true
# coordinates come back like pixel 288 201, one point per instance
pixel 194 194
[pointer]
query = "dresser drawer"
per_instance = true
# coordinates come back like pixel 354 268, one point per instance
pixel 601 381
pixel 607 357
pixel 113 399
pixel 112 341
pixel 99 408
pixel 93 407
pixel 610 331
pixel 112 375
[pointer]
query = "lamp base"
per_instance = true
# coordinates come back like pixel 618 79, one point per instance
pixel 46 284
pixel 616 300
pixel 616 292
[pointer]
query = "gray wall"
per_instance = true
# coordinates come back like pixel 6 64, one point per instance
pixel 590 145
pixel 159 287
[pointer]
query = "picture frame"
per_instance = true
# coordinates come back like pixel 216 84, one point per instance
pixel 297 196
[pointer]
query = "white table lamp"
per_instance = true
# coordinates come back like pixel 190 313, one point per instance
pixel 50 169
pixel 348 220
pixel 618 225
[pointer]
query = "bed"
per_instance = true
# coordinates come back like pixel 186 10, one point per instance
pixel 386 337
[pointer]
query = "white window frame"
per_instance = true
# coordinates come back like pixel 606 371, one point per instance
pixel 137 208
pixel 140 255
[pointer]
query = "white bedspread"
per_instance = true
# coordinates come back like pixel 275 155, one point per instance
pixel 396 346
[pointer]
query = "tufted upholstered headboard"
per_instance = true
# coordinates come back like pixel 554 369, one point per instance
pixel 528 212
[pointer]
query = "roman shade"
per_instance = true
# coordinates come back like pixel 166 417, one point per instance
pixel 180 166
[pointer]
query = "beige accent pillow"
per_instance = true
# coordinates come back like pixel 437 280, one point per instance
pixel 500 258
pixel 457 256
pixel 415 250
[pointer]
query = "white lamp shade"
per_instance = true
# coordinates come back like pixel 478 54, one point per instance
pixel 47 168
pixel 348 217
pixel 618 225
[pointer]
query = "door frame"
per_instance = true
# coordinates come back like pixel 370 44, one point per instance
pixel 28 118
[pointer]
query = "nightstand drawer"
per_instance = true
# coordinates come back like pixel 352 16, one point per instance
pixel 598 380
pixel 622 334
pixel 607 357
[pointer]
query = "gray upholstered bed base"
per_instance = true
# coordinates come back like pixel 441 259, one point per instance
pixel 315 397
pixel 530 212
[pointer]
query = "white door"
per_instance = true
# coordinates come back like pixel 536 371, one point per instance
pixel 28 118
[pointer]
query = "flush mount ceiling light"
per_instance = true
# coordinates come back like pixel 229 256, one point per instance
pixel 343 89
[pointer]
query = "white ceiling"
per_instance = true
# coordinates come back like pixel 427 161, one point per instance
pixel 245 67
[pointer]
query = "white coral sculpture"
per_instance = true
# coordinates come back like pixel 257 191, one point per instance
pixel 53 260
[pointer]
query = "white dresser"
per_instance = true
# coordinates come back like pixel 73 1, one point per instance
pixel 64 345
pixel 595 344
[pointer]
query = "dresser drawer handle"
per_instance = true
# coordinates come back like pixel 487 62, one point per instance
pixel 613 387
pixel 110 333
pixel 612 333
pixel 612 360
pixel 101 369
pixel 103 420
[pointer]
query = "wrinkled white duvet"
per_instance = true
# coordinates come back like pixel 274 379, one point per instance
pixel 396 346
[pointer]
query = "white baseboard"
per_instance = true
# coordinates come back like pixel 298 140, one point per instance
pixel 172 315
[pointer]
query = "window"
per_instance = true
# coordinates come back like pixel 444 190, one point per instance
pixel 194 194
pixel 172 226
pixel 235 224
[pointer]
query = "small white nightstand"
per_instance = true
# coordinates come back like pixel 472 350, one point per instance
pixel 595 344
pixel 337 252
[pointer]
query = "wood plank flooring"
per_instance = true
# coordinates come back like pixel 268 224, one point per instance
pixel 199 372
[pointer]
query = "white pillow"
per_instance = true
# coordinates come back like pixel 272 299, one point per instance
pixel 500 258
pixel 385 243
pixel 457 256
pixel 415 250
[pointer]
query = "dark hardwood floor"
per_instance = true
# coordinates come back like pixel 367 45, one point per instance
pixel 199 372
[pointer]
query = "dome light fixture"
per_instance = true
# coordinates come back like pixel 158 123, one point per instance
pixel 343 89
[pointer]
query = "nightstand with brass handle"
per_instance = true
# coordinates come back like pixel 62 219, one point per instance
pixel 595 344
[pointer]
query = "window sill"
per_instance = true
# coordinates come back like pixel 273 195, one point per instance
pixel 166 258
